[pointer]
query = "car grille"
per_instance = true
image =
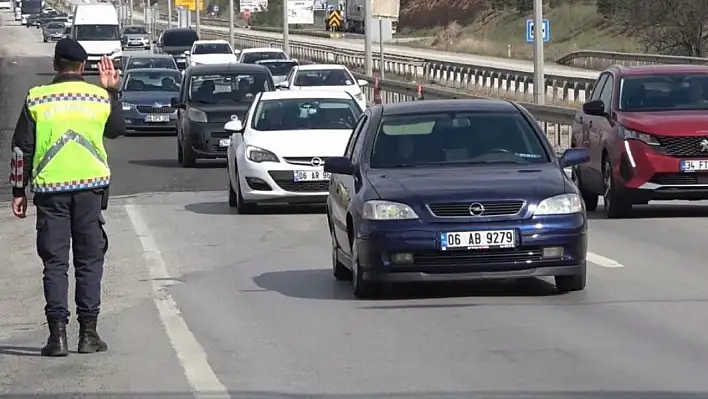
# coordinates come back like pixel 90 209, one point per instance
pixel 679 179
pixel 462 209
pixel 683 146
pixel 149 109
pixel 302 160
pixel 471 258
pixel 284 179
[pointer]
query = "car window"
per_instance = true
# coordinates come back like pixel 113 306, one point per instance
pixel 280 68
pixel 97 32
pixel 164 63
pixel 183 38
pixel 153 81
pixel 227 88
pixel 323 77
pixel 355 135
pixel 598 87
pixel 55 26
pixel 212 48
pixel 664 92
pixel 306 114
pixel 251 58
pixel 606 93
pixel 456 138
pixel 134 30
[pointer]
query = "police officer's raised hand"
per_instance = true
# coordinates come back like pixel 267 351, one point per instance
pixel 107 74
pixel 19 207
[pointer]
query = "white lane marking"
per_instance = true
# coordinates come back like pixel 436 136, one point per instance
pixel 191 354
pixel 602 261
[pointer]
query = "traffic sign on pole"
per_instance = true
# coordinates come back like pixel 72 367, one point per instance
pixel 530 29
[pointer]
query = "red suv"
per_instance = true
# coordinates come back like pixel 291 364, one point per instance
pixel 646 129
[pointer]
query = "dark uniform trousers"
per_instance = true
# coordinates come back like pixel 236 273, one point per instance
pixel 65 221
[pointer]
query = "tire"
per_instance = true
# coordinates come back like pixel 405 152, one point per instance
pixel 233 201
pixel 591 200
pixel 45 39
pixel 574 282
pixel 361 288
pixel 339 270
pixel 616 206
pixel 189 158
pixel 180 154
pixel 242 207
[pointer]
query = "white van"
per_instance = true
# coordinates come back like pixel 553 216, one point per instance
pixel 97 29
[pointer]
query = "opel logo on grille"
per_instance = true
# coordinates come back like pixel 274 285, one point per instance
pixel 476 209
pixel 317 161
pixel 704 145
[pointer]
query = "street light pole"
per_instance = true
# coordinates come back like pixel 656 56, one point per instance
pixel 286 31
pixel 196 6
pixel 231 22
pixel 539 80
pixel 368 40
pixel 169 14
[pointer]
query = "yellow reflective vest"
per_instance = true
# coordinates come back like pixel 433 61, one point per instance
pixel 70 119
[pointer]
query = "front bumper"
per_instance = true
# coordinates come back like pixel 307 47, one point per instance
pixel 136 122
pixel 205 139
pixel 135 44
pixel 378 242
pixel 647 174
pixel 270 182
pixel 92 62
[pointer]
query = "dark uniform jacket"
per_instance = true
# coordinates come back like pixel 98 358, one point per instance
pixel 24 137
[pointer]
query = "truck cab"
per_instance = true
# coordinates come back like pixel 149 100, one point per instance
pixel 97 29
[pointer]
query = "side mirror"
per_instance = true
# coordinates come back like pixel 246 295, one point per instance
pixel 594 108
pixel 234 126
pixel 186 53
pixel 294 60
pixel 574 156
pixel 174 103
pixel 237 52
pixel 362 82
pixel 282 85
pixel 339 165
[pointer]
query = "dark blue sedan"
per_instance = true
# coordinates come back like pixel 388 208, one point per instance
pixel 454 190
pixel 145 95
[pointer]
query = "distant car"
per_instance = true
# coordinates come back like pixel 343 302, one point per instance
pixel 280 69
pixel 449 190
pixel 162 61
pixel 212 96
pixel 53 31
pixel 135 37
pixel 251 55
pixel 67 33
pixel 325 77
pixel 145 97
pixel 646 129
pixel 175 41
pixel 276 153
pixel 62 20
pixel 207 52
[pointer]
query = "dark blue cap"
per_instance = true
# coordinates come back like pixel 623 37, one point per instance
pixel 70 50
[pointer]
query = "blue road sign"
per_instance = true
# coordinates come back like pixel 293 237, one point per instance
pixel 546 29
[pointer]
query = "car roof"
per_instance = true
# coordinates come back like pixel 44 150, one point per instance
pixel 230 67
pixel 458 105
pixel 152 70
pixel 315 94
pixel 273 61
pixel 215 41
pixel 133 26
pixel 148 56
pixel 263 50
pixel 317 67
pixel 170 30
pixel 663 69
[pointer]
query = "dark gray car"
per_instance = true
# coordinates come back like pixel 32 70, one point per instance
pixel 175 41
pixel 53 31
pixel 135 37
pixel 145 95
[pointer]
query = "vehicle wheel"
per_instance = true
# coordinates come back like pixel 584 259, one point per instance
pixel 361 288
pixel 242 207
pixel 590 199
pixel 45 39
pixel 339 270
pixel 233 200
pixel 575 282
pixel 180 154
pixel 615 206
pixel 189 158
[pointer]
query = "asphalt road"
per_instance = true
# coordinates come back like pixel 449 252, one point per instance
pixel 198 299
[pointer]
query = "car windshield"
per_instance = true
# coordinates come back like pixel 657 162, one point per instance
pixel 167 63
pixel 134 30
pixel 306 114
pixel 60 20
pixel 153 81
pixel 324 77
pixel 97 32
pixel 213 48
pixel 251 58
pixel 227 88
pixel 664 92
pixel 280 68
pixel 55 26
pixel 179 38
pixel 456 138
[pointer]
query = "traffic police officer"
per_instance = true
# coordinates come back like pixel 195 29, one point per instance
pixel 58 151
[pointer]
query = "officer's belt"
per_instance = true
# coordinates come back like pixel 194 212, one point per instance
pixel 65 138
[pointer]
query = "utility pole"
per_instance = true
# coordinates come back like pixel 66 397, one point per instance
pixel 169 14
pixel 196 5
pixel 539 80
pixel 286 30
pixel 368 45
pixel 231 22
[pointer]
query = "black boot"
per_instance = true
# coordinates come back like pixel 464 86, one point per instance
pixel 89 341
pixel 57 345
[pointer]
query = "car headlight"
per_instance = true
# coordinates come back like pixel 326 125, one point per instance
pixel 387 210
pixel 196 115
pixel 562 204
pixel 259 155
pixel 127 106
pixel 633 134
pixel 116 51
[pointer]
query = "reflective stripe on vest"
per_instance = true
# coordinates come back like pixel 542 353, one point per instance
pixel 70 118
